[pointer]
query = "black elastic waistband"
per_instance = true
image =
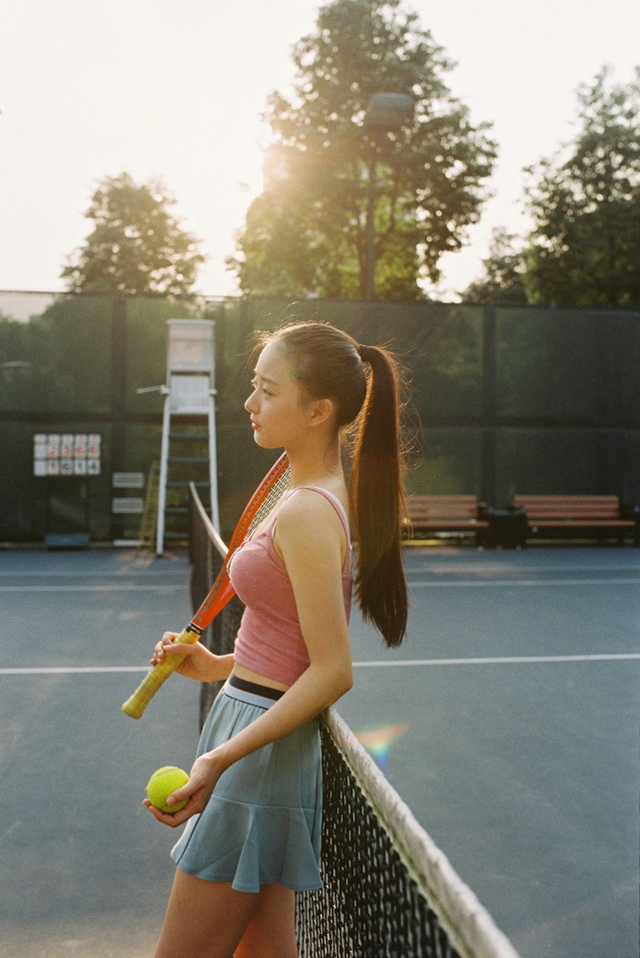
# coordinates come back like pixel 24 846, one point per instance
pixel 255 689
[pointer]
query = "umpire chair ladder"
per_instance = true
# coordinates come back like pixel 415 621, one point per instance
pixel 188 452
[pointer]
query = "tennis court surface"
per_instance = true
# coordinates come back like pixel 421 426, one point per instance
pixel 508 722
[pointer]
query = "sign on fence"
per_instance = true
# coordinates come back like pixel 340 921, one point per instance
pixel 66 454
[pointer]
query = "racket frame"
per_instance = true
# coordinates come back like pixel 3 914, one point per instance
pixel 218 596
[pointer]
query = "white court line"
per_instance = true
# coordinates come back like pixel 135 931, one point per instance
pixel 73 670
pixel 92 588
pixel 516 583
pixel 499 568
pixel 503 660
pixel 83 574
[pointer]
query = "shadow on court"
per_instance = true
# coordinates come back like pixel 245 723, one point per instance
pixel 508 722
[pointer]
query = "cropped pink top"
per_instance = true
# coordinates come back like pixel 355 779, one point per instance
pixel 270 640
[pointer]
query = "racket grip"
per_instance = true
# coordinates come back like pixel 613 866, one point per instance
pixel 158 675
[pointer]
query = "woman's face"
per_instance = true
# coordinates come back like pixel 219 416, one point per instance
pixel 278 406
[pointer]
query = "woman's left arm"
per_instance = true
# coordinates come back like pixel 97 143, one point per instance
pixel 310 538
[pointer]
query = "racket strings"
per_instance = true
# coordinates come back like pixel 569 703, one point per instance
pixel 264 499
pixel 271 499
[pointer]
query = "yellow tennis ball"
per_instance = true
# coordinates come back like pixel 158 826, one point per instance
pixel 162 783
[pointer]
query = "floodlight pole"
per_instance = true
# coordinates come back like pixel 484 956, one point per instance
pixel 371 232
pixel 385 112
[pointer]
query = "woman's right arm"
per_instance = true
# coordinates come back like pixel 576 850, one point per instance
pixel 199 663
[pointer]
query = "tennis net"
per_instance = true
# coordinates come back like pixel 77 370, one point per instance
pixel 389 891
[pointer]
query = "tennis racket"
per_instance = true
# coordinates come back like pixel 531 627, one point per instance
pixel 274 484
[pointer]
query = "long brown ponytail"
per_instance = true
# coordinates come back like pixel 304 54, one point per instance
pixel 377 499
pixel 330 364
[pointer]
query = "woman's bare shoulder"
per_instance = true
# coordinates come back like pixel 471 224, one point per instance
pixel 308 512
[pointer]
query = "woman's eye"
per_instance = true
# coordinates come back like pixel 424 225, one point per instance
pixel 263 390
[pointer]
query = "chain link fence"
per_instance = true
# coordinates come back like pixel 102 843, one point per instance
pixel 500 400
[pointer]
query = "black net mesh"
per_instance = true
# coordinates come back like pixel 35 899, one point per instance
pixel 370 906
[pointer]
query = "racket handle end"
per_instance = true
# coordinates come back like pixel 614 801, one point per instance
pixel 137 703
pixel 131 708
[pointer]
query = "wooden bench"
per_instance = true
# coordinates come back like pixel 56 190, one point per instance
pixel 599 516
pixel 431 515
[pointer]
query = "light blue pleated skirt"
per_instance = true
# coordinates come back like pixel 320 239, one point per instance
pixel 263 822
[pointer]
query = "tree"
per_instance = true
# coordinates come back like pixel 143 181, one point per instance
pixel 503 282
pixel 585 202
pixel 137 246
pixel 306 234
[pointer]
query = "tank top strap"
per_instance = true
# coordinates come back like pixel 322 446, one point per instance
pixel 337 505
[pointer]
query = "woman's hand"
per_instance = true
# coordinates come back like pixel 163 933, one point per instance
pixel 199 663
pixel 204 774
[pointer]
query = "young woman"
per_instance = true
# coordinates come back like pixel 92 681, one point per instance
pixel 255 791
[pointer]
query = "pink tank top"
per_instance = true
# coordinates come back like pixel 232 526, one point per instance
pixel 270 640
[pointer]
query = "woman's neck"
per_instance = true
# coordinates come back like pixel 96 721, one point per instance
pixel 315 467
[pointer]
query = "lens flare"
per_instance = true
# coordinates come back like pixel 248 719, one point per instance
pixel 378 741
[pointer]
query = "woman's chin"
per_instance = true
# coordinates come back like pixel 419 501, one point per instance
pixel 263 442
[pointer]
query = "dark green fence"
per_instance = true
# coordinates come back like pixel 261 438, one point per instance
pixel 502 400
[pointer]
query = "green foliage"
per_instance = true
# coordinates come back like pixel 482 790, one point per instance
pixel 137 246
pixel 306 235
pixel 69 349
pixel 503 282
pixel 585 202
pixel 22 352
pixel 63 360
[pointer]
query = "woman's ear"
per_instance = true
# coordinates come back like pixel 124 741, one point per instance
pixel 321 411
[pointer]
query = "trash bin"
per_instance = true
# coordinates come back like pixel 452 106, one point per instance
pixel 507 529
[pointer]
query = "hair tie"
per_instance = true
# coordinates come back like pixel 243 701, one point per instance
pixel 363 352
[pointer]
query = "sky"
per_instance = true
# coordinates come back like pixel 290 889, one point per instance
pixel 175 89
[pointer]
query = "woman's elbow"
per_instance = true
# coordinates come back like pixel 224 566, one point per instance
pixel 335 680
pixel 344 680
